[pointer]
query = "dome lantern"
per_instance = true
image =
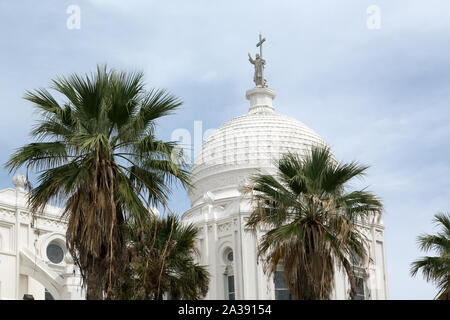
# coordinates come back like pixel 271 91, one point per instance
pixel 260 100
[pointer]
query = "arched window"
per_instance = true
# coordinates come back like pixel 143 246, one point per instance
pixel 48 295
pixel 230 256
pixel 360 292
pixel 359 276
pixel 281 289
pixel 230 288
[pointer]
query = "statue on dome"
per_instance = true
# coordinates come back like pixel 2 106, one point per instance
pixel 259 63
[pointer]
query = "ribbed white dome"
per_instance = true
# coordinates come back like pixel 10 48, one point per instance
pixel 247 143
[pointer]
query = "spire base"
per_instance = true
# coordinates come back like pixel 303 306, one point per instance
pixel 260 100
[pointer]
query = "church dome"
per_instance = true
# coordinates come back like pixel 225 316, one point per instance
pixel 246 144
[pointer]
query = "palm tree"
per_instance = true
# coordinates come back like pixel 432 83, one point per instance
pixel 96 152
pixel 436 268
pixel 162 262
pixel 311 220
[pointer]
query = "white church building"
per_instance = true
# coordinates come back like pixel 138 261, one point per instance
pixel 34 259
pixel 240 148
pixel 33 256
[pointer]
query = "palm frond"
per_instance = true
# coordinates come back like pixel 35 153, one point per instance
pixel 436 269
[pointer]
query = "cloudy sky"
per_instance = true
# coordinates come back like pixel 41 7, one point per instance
pixel 379 96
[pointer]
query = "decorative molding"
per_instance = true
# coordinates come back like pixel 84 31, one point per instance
pixel 7 213
pixel 224 227
pixel 9 227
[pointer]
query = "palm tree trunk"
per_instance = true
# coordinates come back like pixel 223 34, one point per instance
pixel 94 289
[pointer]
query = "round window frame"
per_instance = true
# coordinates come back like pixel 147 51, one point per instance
pixel 232 256
pixel 226 255
pixel 56 244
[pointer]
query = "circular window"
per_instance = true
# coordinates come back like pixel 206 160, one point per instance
pixel 227 255
pixel 55 253
pixel 230 256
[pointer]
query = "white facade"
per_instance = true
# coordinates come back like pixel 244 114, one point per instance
pixel 240 148
pixel 33 255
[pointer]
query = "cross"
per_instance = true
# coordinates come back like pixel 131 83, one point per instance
pixel 259 44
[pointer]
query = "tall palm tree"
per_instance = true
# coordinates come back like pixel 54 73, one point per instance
pixel 96 152
pixel 436 268
pixel 162 262
pixel 311 220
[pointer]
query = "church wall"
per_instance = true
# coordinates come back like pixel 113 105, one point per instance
pixel 257 284
pixel 7 276
pixel 24 237
pixel 6 236
pixel 7 254
pixel 212 258
pixel 251 280
pixel 24 264
pixel 28 285
pixel 23 285
pixel 341 285
pixel 36 289
pixel 380 274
